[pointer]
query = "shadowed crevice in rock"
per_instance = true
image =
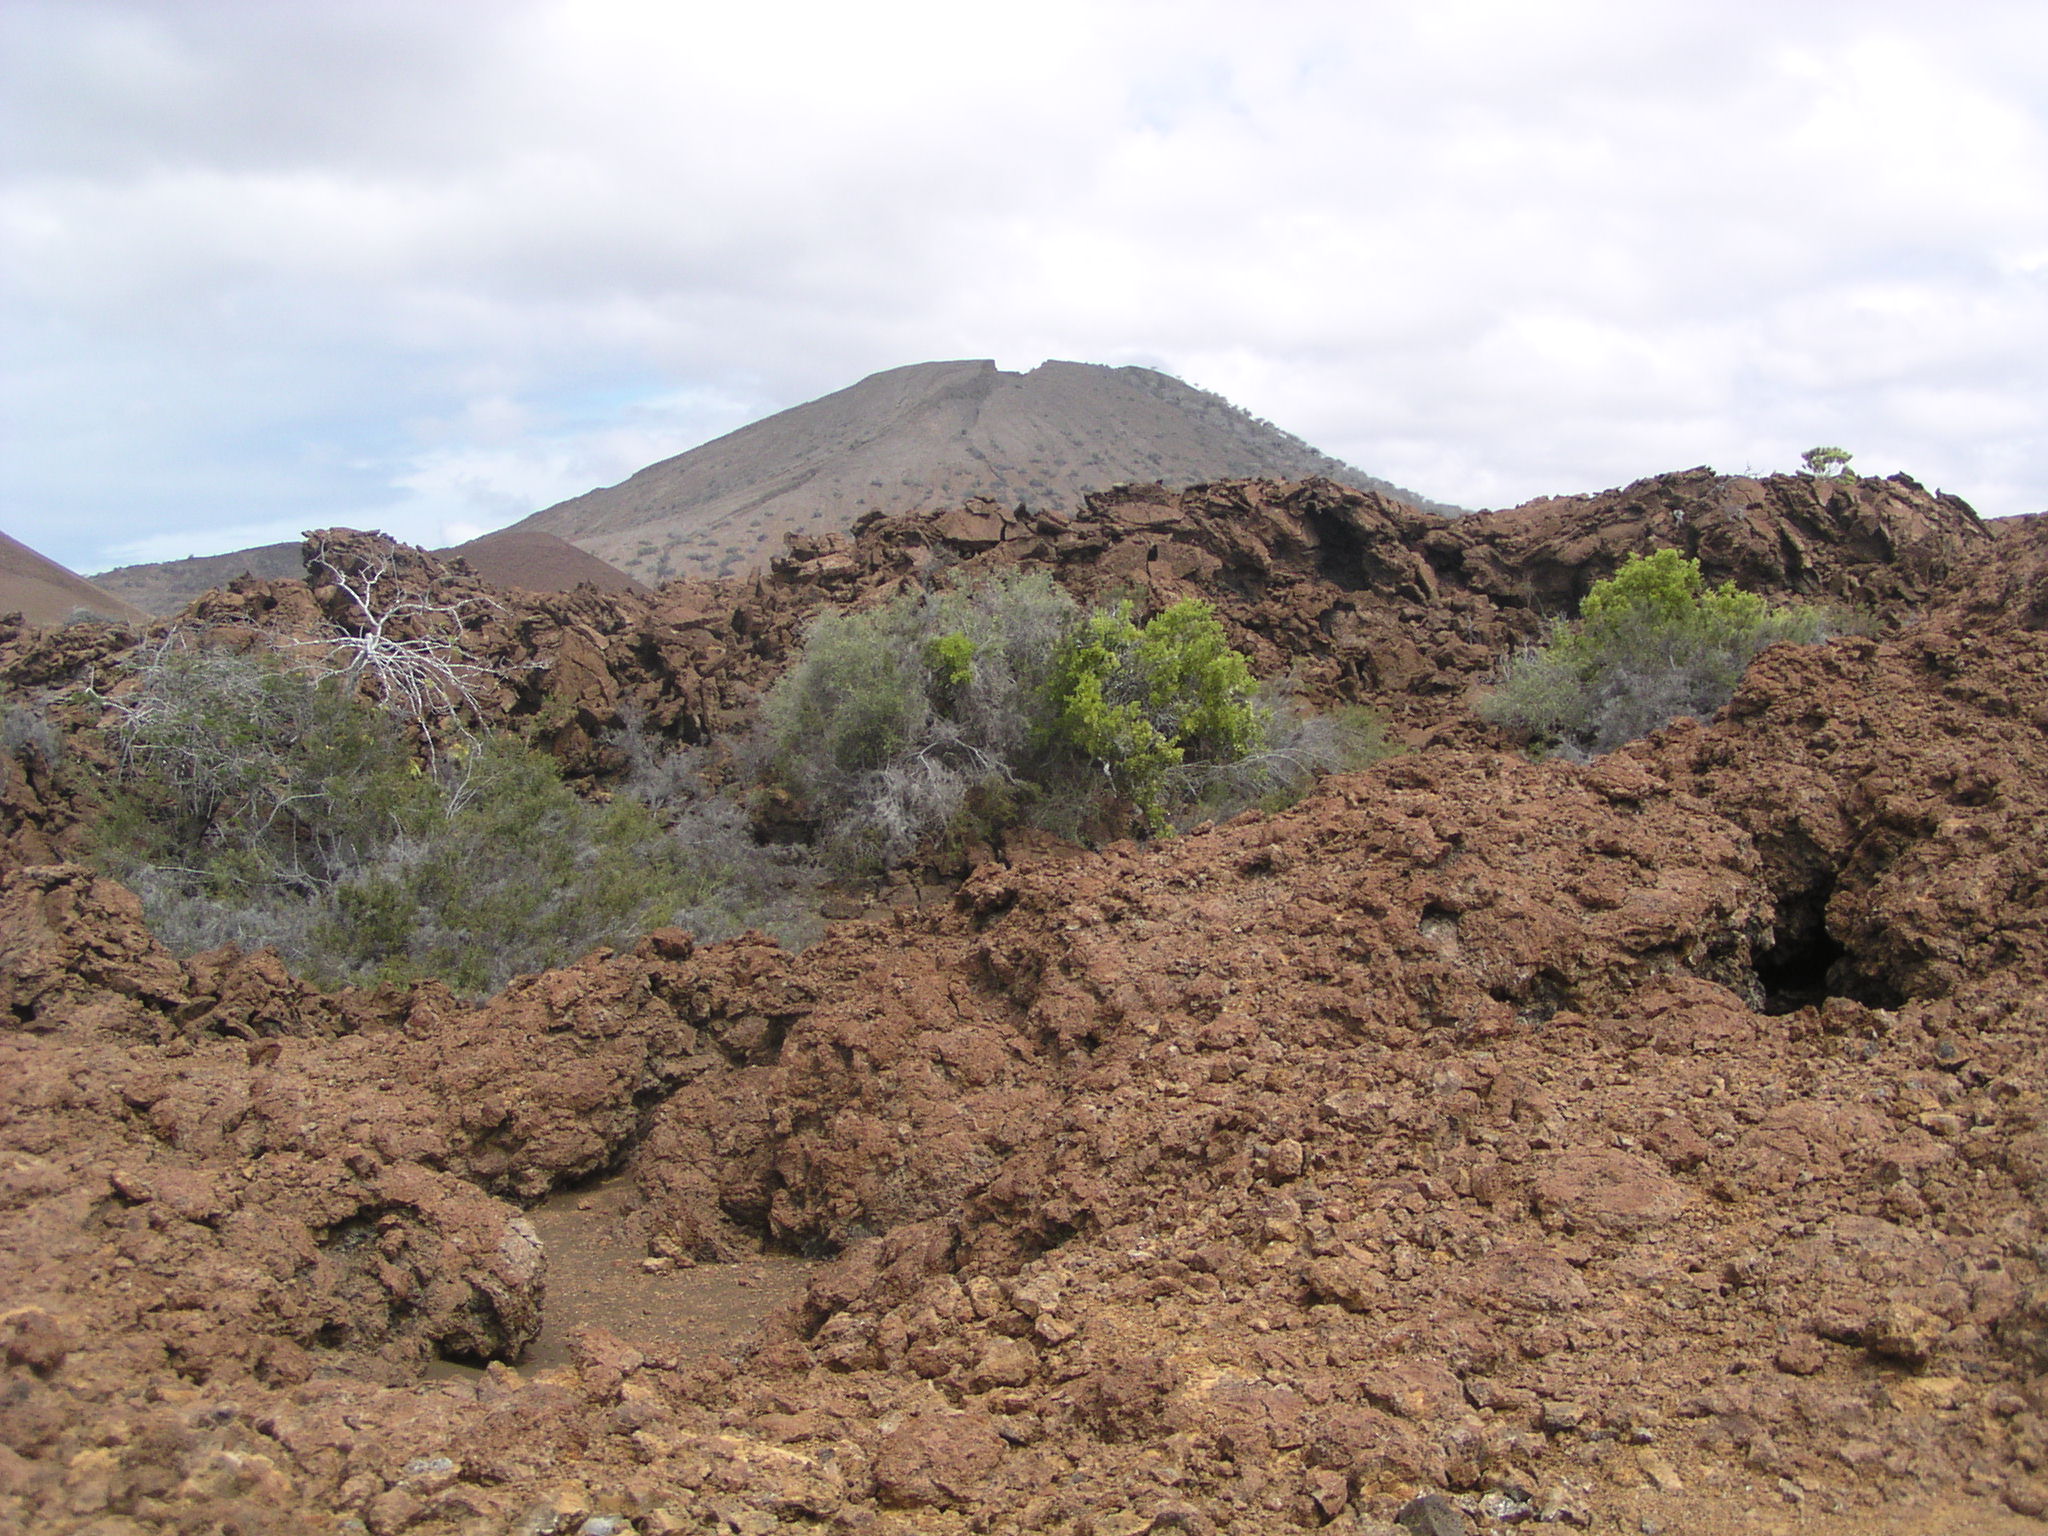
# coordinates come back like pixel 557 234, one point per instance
pixel 1804 964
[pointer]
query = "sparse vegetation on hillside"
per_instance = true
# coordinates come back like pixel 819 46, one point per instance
pixel 1651 644
pixel 1266 1179
pixel 966 710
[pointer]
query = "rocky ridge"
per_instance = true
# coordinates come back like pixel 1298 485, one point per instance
pixel 1659 1142
pixel 1356 597
pixel 512 557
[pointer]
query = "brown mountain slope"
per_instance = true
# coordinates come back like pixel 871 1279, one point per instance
pixel 1448 1134
pixel 538 562
pixel 163 587
pixel 923 437
pixel 44 592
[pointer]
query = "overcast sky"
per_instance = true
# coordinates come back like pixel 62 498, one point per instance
pixel 432 266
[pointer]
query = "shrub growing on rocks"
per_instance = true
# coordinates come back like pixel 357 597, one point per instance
pixel 1828 463
pixel 898 722
pixel 969 709
pixel 263 774
pixel 1143 702
pixel 26 734
pixel 1652 643
pixel 258 805
pixel 511 871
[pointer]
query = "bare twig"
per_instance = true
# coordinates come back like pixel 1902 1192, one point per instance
pixel 418 670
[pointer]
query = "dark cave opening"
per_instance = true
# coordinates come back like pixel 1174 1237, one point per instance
pixel 1805 964
pixel 456 1360
pixel 1340 554
pixel 1795 971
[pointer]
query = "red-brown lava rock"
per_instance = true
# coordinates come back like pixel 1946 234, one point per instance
pixel 1660 1142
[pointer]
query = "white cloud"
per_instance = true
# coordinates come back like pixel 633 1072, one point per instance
pixel 434 267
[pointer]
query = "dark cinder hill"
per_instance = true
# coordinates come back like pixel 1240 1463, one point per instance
pixel 526 557
pixel 928 436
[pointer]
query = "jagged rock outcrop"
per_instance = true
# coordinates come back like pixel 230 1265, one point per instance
pixel 1359 598
pixel 1882 544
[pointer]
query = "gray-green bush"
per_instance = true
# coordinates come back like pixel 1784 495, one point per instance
pixel 26 733
pixel 514 872
pixel 894 719
pixel 262 806
pixel 266 774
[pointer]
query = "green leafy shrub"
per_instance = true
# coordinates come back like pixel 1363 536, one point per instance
pixel 1147 702
pixel 951 659
pixel 1652 643
pixel 969 709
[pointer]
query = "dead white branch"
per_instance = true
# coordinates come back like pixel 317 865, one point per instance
pixel 409 646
